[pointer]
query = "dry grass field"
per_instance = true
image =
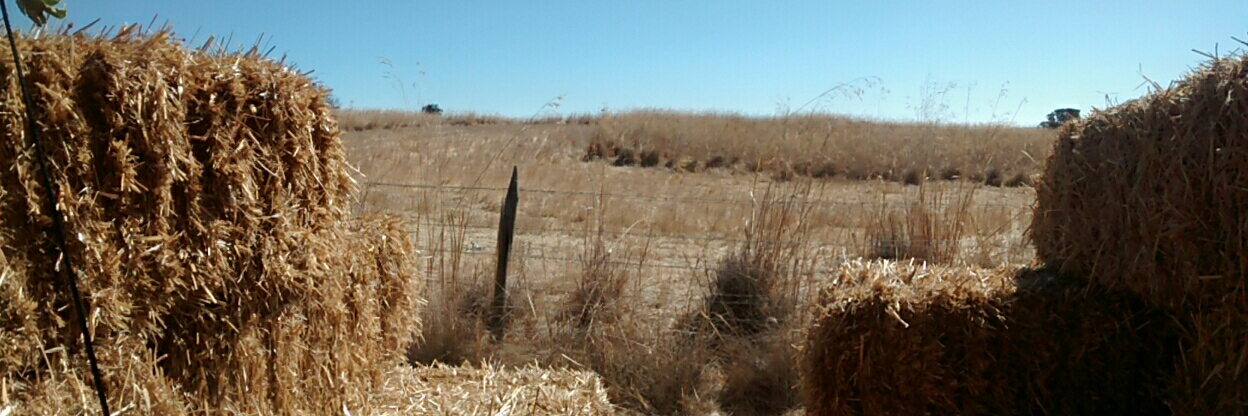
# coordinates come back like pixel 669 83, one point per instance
pixel 683 288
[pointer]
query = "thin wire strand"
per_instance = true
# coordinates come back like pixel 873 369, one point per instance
pixel 821 202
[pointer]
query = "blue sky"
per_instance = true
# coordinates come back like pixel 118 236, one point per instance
pixel 1007 61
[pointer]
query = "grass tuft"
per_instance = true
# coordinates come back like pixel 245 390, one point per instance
pixel 929 226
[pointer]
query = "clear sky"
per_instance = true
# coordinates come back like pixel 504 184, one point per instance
pixel 1001 60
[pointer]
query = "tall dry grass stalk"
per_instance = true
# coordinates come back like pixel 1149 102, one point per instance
pixel 929 226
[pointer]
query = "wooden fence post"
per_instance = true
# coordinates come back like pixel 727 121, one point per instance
pixel 506 230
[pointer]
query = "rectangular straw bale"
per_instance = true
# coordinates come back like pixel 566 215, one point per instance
pixel 490 390
pixel 1211 374
pixel 1149 197
pixel 205 196
pixel 134 383
pixel 907 339
pixel 902 338
pixel 354 324
pixel 1078 349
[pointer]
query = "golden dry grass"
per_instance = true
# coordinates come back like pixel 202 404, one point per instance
pixel 613 266
pixel 360 120
pixel 814 145
pixel 822 146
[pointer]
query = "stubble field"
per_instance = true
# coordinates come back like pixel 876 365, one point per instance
pixel 683 285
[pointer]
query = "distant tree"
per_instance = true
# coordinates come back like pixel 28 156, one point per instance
pixel 1059 117
pixel 431 109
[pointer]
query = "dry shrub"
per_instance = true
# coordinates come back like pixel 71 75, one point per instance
pixel 752 298
pixel 361 120
pixel 740 302
pixel 870 149
pixel 646 367
pixel 758 287
pixel 471 118
pixel 650 158
pixel 761 375
pixel 625 157
pixel 906 338
pixel 929 227
pixel 598 295
pixel 208 197
pixel 824 170
pixel 993 177
pixel 597 151
pixel 650 369
pixel 1148 196
pixel 913 177
pixel 452 330
pixel 950 173
pixel 1018 180
pixel 717 161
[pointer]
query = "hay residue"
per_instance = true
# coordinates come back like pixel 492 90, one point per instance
pixel 491 390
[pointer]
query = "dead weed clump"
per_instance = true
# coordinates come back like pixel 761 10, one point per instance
pixel 646 368
pixel 929 226
pixel 600 289
pixel 751 307
pixel 454 327
pixel 760 376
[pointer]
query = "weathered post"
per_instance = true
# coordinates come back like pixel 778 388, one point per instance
pixel 506 229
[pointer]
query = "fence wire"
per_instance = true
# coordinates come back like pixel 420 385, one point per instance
pixel 681 200
pixel 690 275
pixel 485 231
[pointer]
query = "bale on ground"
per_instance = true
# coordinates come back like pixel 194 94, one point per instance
pixel 490 390
pixel 1149 196
pixel 206 200
pixel 904 338
pixel 1211 373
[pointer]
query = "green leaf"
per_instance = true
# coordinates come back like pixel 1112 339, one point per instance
pixel 39 10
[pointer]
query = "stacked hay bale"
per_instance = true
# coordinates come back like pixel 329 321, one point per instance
pixel 1141 308
pixel 1149 197
pixel 206 196
pixel 905 338
pixel 870 351
pixel 1152 198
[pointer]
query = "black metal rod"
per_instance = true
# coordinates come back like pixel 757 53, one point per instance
pixel 58 221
